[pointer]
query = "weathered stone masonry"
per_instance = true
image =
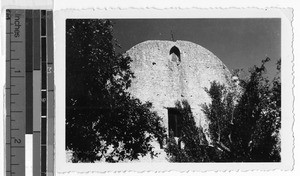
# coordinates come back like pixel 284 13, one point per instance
pixel 167 71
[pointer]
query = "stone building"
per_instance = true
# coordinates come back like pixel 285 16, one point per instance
pixel 167 71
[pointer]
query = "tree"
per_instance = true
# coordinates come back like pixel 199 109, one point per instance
pixel 249 129
pixel 103 121
pixel 266 137
pixel 219 113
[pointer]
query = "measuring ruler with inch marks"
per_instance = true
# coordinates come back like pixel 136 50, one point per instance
pixel 29 93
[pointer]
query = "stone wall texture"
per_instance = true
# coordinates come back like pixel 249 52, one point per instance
pixel 163 78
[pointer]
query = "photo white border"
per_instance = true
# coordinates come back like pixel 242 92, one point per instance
pixel 287 97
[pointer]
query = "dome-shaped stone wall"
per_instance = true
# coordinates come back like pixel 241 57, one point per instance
pixel 166 72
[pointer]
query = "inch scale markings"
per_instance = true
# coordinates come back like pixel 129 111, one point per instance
pixel 15 97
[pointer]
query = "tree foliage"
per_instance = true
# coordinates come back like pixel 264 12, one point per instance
pixel 103 121
pixel 244 122
pixel 249 129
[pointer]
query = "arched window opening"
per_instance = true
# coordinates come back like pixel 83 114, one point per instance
pixel 175 51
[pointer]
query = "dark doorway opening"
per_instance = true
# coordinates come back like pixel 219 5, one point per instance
pixel 175 122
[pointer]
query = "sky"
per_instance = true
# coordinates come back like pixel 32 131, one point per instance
pixel 239 43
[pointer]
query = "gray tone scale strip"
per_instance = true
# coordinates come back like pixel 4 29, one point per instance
pixel 43 93
pixel 50 100
pixel 44 62
pixel 29 69
pixel 36 39
pixel 36 165
pixel 36 93
pixel 36 123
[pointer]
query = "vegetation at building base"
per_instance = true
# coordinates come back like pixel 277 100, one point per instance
pixel 244 126
pixel 192 137
pixel 103 121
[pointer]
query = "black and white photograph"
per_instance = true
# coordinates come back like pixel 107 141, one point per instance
pixel 147 88
pixel 173 90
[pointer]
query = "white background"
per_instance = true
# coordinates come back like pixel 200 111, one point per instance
pixel 62 4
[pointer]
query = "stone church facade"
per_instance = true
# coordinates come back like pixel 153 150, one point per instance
pixel 167 71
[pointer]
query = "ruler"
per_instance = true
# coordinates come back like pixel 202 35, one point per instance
pixel 29 93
